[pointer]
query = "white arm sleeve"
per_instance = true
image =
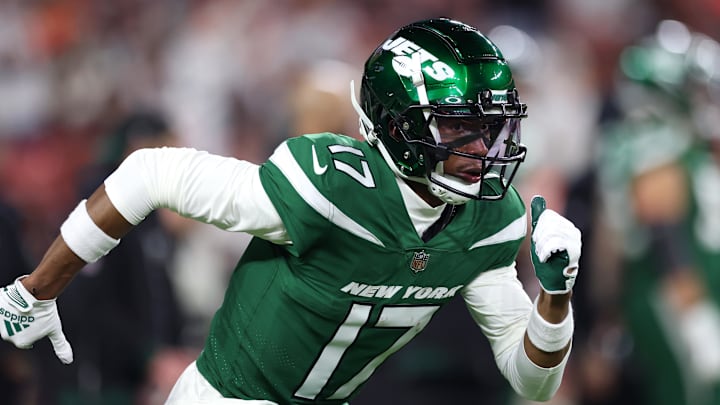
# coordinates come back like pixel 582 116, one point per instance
pixel 222 191
pixel 501 307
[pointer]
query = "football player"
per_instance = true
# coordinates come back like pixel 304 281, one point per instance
pixel 659 182
pixel 357 244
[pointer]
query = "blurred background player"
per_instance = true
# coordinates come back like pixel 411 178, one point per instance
pixel 660 183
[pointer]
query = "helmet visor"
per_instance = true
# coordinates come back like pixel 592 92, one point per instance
pixel 491 139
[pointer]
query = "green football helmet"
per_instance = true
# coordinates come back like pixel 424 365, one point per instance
pixel 441 70
pixel 673 74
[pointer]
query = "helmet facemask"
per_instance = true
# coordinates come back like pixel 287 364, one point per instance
pixel 484 140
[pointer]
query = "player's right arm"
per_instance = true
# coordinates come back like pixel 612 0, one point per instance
pixel 60 263
pixel 218 190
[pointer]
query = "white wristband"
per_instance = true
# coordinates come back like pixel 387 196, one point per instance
pixel 84 237
pixel 549 337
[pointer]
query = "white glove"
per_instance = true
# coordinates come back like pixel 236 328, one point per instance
pixel 555 248
pixel 27 320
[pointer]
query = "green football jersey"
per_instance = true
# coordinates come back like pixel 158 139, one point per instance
pixel 310 322
pixel 703 172
pixel 631 149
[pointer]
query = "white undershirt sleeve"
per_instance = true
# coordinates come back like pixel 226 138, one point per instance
pixel 501 307
pixel 222 191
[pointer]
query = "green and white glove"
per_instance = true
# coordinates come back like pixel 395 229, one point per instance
pixel 26 320
pixel 555 248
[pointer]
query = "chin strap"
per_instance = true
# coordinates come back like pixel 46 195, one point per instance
pixel 367 127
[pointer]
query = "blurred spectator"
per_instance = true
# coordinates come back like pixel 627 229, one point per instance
pixel 15 369
pixel 122 311
pixel 660 176
pixel 222 71
pixel 320 99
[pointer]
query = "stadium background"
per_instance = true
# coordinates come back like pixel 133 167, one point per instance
pixel 82 82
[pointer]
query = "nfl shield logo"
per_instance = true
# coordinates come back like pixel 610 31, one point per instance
pixel 419 261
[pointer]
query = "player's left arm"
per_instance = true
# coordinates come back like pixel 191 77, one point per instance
pixel 500 306
pixel 531 340
pixel 555 252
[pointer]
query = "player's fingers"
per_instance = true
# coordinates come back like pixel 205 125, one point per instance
pixel 62 347
pixel 537 206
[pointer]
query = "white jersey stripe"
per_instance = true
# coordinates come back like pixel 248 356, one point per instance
pixel 514 231
pixel 285 161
